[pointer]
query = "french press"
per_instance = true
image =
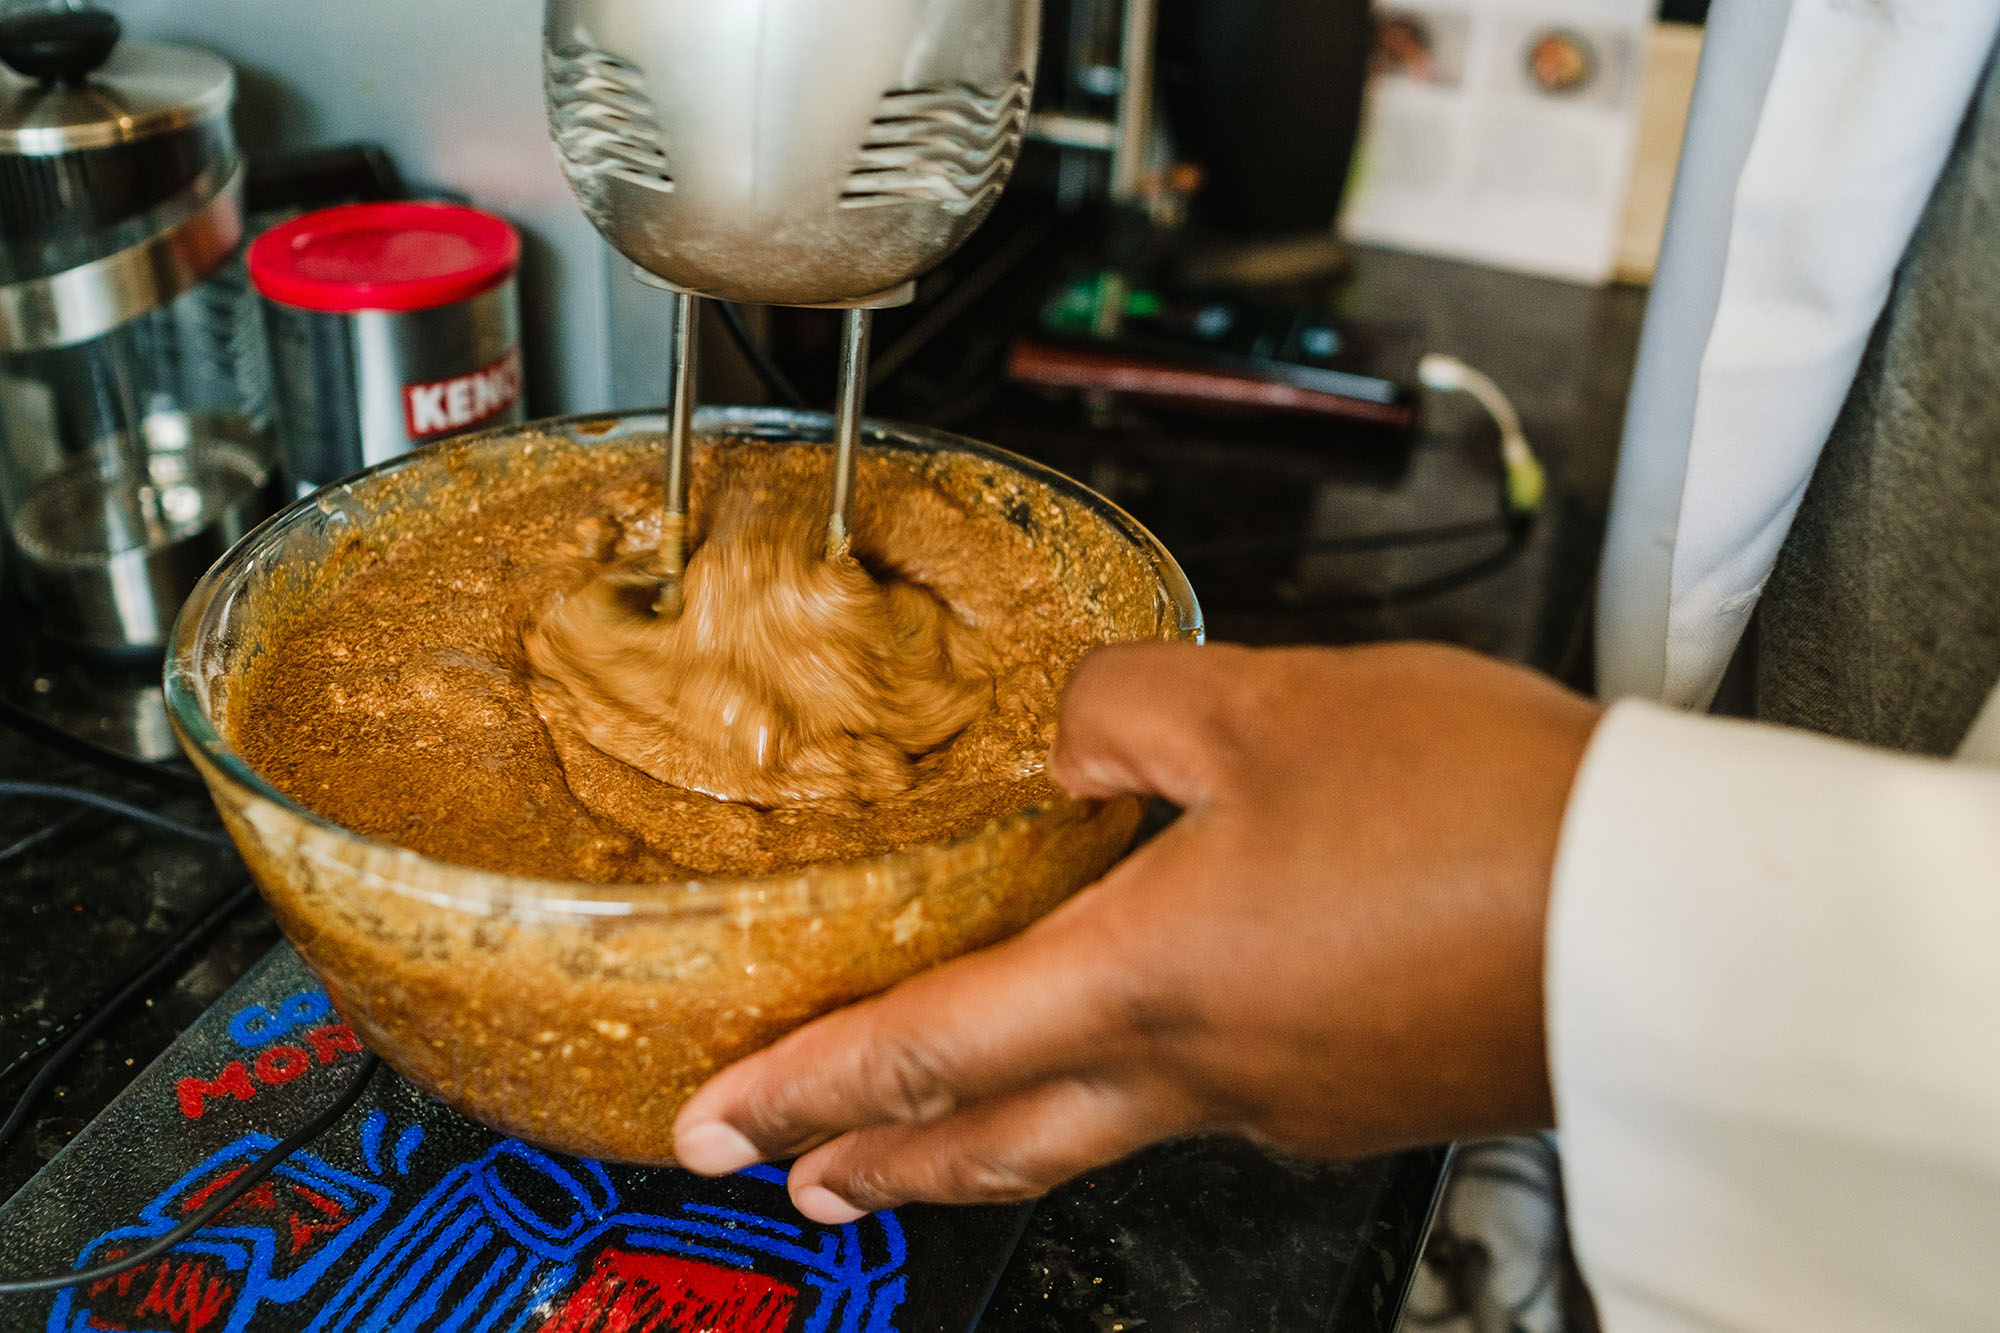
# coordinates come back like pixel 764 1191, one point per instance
pixel 135 423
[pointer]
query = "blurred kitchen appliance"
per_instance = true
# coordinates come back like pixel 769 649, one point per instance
pixel 391 325
pixel 1266 99
pixel 1107 61
pixel 786 152
pixel 1103 339
pixel 134 398
pixel 1242 116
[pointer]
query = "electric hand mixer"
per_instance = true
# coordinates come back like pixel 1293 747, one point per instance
pixel 785 152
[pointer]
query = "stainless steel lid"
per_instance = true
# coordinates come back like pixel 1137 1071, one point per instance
pixel 120 184
pixel 143 89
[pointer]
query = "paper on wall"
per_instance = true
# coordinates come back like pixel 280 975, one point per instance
pixel 1502 131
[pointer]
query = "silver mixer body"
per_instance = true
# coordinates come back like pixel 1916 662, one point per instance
pixel 785 152
pixel 789 152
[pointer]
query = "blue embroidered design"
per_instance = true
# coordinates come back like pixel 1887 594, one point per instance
pixel 493 1247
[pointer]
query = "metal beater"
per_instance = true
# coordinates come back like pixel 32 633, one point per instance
pixel 786 152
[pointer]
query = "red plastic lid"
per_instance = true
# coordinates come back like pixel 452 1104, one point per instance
pixel 384 257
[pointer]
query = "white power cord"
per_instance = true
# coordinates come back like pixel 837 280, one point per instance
pixel 1526 482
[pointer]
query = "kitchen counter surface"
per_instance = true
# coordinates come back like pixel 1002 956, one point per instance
pixel 1205 1235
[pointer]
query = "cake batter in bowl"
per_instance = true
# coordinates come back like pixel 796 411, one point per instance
pixel 552 939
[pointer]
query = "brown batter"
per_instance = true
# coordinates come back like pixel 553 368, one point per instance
pixel 786 676
pixel 494 693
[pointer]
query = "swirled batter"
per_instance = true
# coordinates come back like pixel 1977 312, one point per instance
pixel 787 676
pixel 490 691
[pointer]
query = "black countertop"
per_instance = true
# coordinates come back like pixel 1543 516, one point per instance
pixel 1203 1235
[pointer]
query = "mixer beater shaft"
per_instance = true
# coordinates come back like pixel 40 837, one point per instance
pixel 851 393
pixel 680 425
pixel 854 326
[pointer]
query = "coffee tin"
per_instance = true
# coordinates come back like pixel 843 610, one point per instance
pixel 391 325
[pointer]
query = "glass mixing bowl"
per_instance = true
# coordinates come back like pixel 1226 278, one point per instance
pixel 580 1016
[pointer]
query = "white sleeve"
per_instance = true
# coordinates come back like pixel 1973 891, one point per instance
pixel 1774 1030
pixel 1741 375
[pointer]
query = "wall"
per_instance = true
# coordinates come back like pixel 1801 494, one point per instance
pixel 452 89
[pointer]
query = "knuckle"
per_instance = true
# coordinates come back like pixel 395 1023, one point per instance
pixel 1117 678
pixel 768 1115
pixel 1097 674
pixel 910 1081
pixel 1268 691
pixel 867 1186
pixel 1216 749
pixel 1161 1024
pixel 987 1177
pixel 792 1093
pixel 1136 960
pixel 1142 1000
pixel 1154 1009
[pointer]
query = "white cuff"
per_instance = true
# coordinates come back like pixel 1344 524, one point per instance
pixel 1774 1030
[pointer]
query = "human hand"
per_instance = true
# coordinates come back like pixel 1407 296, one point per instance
pixel 1336 948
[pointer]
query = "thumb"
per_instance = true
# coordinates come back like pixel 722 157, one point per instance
pixel 1150 719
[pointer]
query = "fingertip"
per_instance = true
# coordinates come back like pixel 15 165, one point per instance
pixel 710 1103
pixel 822 1205
pixel 1083 761
pixel 712 1148
pixel 1129 720
pixel 1086 777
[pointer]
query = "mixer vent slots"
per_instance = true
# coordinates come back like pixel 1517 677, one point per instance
pixel 603 121
pixel 952 146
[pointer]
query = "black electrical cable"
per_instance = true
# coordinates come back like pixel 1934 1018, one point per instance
pixel 960 298
pixel 1420 589
pixel 768 372
pixel 23 845
pixel 1387 598
pixel 96 1016
pixel 251 1177
pixel 44 732
pixel 1251 544
pixel 51 791
pixel 948 415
